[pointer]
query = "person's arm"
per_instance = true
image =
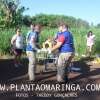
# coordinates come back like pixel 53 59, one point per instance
pixel 13 40
pixel 60 42
pixel 27 36
pixel 58 45
pixel 33 39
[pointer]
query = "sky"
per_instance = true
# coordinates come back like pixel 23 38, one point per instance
pixel 88 10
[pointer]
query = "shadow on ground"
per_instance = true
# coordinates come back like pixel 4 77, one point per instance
pixel 9 72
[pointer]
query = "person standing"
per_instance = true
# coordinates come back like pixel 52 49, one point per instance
pixel 66 52
pixel 90 40
pixel 17 46
pixel 31 49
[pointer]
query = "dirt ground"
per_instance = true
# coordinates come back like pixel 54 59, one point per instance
pixel 88 74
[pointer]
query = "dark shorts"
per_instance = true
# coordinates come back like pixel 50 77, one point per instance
pixel 18 51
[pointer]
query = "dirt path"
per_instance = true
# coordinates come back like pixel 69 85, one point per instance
pixel 88 74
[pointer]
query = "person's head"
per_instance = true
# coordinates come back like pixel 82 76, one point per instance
pixel 37 28
pixel 18 31
pixel 62 27
pixel 89 33
pixel 32 26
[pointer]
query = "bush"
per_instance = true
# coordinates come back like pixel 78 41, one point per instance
pixel 79 38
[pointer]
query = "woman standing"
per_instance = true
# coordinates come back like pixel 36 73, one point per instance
pixel 17 43
pixel 90 42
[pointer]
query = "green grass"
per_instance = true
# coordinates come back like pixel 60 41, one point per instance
pixel 79 38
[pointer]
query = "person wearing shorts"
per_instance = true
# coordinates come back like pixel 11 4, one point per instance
pixel 17 46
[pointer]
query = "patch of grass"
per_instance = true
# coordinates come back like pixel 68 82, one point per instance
pixel 79 38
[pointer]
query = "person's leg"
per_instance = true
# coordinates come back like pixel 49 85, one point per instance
pixel 63 64
pixel 69 62
pixel 88 51
pixel 32 64
pixel 19 56
pixel 61 69
pixel 91 50
pixel 19 60
pixel 67 59
pixel 93 47
pixel 16 58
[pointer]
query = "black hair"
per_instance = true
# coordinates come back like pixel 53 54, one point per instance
pixel 63 24
pixel 88 34
pixel 17 28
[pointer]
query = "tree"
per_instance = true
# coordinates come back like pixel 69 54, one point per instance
pixel 53 20
pixel 27 20
pixel 98 26
pixel 11 12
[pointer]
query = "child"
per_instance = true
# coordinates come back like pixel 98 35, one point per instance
pixel 17 43
pixel 90 42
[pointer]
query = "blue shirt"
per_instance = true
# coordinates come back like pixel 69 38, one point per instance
pixel 30 44
pixel 68 44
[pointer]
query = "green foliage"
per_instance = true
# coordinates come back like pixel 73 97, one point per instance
pixel 53 20
pixel 98 26
pixel 5 39
pixel 27 20
pixel 79 38
pixel 11 13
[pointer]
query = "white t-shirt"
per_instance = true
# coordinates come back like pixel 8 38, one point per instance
pixel 17 41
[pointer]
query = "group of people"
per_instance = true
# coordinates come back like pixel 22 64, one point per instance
pixel 64 43
pixel 32 39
